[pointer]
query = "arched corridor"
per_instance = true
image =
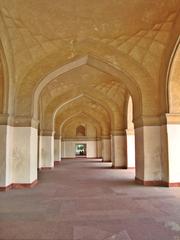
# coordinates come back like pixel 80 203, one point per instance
pixel 87 199
pixel 83 80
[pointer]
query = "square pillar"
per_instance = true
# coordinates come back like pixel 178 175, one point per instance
pixel 148 155
pixel 99 148
pixel 106 148
pixel 119 150
pixel 46 149
pixel 62 149
pixel 171 150
pixel 18 156
pixel 24 165
pixel 57 149
pixel 6 150
pixel 130 139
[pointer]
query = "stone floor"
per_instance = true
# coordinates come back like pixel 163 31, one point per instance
pixel 87 200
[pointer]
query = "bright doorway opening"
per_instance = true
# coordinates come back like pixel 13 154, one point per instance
pixel 80 149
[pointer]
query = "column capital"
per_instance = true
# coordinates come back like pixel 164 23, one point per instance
pixel 18 121
pixel 105 137
pixel 4 119
pixel 24 121
pixel 57 136
pixel 46 132
pixel 98 138
pixel 141 121
pixel 171 118
pixel 130 131
pixel 118 132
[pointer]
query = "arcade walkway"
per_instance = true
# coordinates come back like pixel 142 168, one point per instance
pixel 87 200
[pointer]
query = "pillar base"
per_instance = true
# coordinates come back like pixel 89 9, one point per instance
pixel 6 188
pixel 46 168
pixel 149 182
pixel 56 163
pixel 119 167
pixel 106 160
pixel 19 186
pixel 166 184
pixel 157 183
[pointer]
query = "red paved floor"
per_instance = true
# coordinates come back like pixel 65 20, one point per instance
pixel 87 200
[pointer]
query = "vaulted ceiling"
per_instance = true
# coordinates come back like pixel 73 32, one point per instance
pixel 65 58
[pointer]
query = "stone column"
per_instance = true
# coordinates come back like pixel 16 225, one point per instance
pixel 24 159
pixel 99 148
pixel 57 149
pixel 130 139
pixel 46 149
pixel 62 148
pixel 119 152
pixel 171 150
pixel 106 148
pixel 6 149
pixel 148 151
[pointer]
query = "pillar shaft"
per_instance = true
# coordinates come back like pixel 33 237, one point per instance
pixel 130 138
pixel 171 150
pixel 6 143
pixel 119 152
pixel 46 150
pixel 99 148
pixel 148 154
pixel 57 149
pixel 25 155
pixel 106 149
